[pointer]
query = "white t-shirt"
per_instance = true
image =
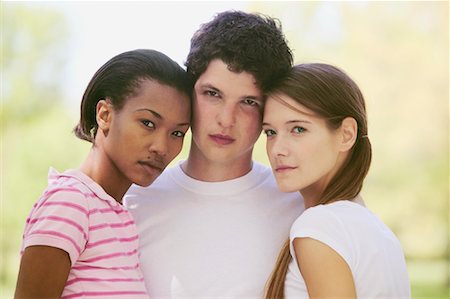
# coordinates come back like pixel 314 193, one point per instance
pixel 371 250
pixel 211 240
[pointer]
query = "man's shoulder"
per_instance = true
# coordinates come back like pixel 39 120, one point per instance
pixel 265 176
pixel 261 167
pixel 161 184
pixel 268 187
pixel 262 170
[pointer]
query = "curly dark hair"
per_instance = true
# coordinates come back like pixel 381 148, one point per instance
pixel 248 42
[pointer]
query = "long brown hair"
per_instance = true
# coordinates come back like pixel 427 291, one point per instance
pixel 332 94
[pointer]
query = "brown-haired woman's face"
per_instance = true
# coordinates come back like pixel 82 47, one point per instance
pixel 303 152
pixel 147 133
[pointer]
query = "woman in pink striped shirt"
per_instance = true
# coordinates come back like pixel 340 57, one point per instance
pixel 79 241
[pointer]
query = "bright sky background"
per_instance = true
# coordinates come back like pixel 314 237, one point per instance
pixel 100 30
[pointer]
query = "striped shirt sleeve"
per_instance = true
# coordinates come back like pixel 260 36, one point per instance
pixel 61 220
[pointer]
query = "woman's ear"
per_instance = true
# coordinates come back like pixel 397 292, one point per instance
pixel 349 131
pixel 104 113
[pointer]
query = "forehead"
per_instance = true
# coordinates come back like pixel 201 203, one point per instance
pixel 218 74
pixel 152 94
pixel 155 91
pixel 281 102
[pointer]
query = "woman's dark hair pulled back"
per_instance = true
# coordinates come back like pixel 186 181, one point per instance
pixel 120 77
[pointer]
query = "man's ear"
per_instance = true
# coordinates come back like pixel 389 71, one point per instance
pixel 349 131
pixel 104 113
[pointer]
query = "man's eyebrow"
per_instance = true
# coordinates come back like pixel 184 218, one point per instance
pixel 256 98
pixel 209 85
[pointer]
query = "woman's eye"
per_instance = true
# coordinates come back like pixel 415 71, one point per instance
pixel 298 130
pixel 269 132
pixel 148 124
pixel 178 134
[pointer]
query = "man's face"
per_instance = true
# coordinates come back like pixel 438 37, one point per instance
pixel 227 112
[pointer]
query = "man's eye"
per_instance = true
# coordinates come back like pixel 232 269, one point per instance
pixel 251 102
pixel 212 93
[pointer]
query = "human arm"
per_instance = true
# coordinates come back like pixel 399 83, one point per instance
pixel 55 234
pixel 325 272
pixel 43 272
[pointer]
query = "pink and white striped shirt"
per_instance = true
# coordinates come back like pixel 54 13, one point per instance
pixel 76 215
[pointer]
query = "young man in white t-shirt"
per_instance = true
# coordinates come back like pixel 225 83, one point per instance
pixel 213 225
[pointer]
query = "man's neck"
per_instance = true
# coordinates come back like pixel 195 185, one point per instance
pixel 202 169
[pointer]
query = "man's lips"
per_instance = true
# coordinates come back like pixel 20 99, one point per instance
pixel 221 139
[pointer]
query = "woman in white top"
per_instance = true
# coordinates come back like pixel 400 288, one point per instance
pixel 317 142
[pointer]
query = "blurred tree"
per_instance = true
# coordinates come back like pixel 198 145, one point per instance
pixel 36 126
pixel 33 43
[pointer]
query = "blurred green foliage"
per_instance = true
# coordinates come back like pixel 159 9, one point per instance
pixel 35 124
pixel 32 56
pixel 398 52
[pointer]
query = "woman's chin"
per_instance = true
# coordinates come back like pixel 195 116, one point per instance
pixel 287 188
